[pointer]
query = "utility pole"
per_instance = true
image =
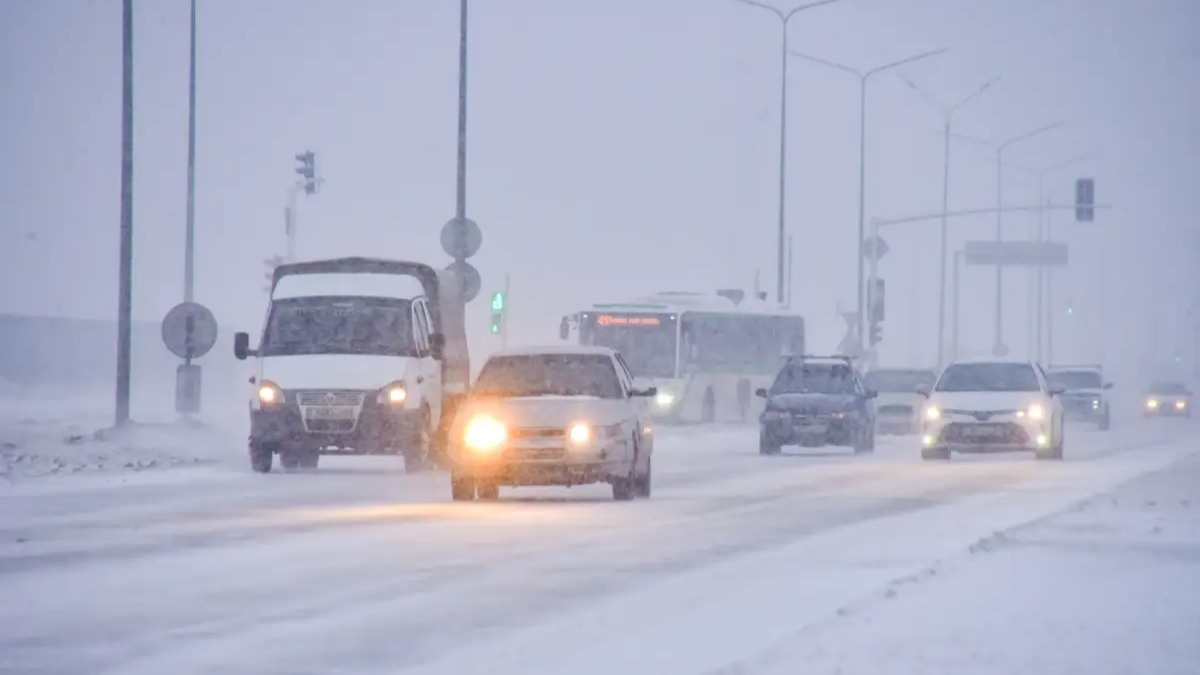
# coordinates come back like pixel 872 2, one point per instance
pixel 189 247
pixel 125 282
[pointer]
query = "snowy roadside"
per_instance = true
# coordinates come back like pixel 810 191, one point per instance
pixel 1106 587
pixel 43 434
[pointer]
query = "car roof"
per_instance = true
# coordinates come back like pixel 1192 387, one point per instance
pixel 991 360
pixel 540 350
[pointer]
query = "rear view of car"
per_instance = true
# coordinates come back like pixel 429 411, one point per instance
pixel 1168 399
pixel 898 405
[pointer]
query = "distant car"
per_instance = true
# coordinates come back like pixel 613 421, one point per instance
pixel 1169 399
pixel 992 406
pixel 816 401
pixel 551 416
pixel 1084 397
pixel 898 405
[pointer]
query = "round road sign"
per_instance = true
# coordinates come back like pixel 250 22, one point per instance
pixel 189 330
pixel 468 277
pixel 461 238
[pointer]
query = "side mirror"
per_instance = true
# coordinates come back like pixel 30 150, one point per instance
pixel 924 390
pixel 241 346
pixel 564 329
pixel 760 392
pixel 437 346
pixel 1057 391
pixel 1108 385
pixel 645 393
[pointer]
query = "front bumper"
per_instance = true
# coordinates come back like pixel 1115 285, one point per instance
pixel 1168 410
pixel 545 461
pixel 374 429
pixel 827 429
pixel 1086 408
pixel 1005 434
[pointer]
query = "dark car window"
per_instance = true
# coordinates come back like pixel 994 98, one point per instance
pixel 1169 388
pixel 815 378
pixel 339 325
pixel 549 375
pixel 989 377
pixel 1076 379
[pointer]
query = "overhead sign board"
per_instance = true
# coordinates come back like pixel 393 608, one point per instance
pixel 1016 253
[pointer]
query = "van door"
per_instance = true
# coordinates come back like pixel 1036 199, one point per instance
pixel 429 369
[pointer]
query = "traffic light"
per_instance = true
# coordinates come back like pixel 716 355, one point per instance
pixel 1085 200
pixel 497 312
pixel 308 170
pixel 1070 307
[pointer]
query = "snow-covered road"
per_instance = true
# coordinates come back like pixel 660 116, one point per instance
pixel 358 568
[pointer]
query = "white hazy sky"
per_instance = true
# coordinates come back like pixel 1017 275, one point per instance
pixel 616 148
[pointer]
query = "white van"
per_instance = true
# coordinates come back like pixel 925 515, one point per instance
pixel 350 361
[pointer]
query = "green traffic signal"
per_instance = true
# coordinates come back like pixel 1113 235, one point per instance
pixel 498 301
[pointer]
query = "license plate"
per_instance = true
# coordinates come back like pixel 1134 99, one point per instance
pixel 335 413
pixel 982 431
pixel 811 425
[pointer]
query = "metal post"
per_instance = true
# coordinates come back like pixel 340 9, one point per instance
pixel 1050 286
pixel 782 162
pixel 289 222
pixel 1041 275
pixel 862 200
pixel 125 283
pixel 460 209
pixel 941 351
pixel 998 345
pixel 874 273
pixel 791 268
pixel 957 317
pixel 505 317
pixel 190 228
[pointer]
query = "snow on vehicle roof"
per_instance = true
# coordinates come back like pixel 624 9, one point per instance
pixel 539 350
pixel 675 302
pixel 991 359
pixel 1059 368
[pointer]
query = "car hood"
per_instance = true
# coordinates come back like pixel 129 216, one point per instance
pixel 821 402
pixel 1081 393
pixel 336 371
pixel 986 400
pixel 541 412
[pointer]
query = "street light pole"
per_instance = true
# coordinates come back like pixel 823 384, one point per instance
pixel 125 276
pixel 863 76
pixel 189 255
pixel 784 19
pixel 948 120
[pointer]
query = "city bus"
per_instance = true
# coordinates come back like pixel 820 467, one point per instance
pixel 705 353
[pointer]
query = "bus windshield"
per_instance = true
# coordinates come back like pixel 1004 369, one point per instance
pixel 739 343
pixel 645 341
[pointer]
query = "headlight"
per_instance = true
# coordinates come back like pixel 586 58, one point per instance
pixel 1095 405
pixel 1152 404
pixel 269 393
pixel 1036 412
pixel 933 413
pixel 579 433
pixel 1180 405
pixel 664 399
pixel 485 434
pixel 393 394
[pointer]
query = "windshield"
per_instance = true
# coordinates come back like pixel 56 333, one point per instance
pixel 1076 379
pixel 1168 388
pixel 339 325
pixel 645 341
pixel 905 381
pixel 738 343
pixel 549 375
pixel 815 378
pixel 989 377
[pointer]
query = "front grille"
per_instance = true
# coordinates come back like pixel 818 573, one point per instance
pixel 537 454
pixel 330 398
pixel 895 410
pixel 330 426
pixel 1003 432
pixel 555 432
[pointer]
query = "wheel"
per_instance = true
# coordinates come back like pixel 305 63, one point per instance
pixel 642 482
pixel 935 454
pixel 462 488
pixel 766 446
pixel 623 489
pixel 709 411
pixel 260 458
pixel 310 460
pixel 487 490
pixel 865 442
pixel 289 460
pixel 417 450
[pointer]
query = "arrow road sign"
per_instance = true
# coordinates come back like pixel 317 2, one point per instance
pixel 875 247
pixel 189 330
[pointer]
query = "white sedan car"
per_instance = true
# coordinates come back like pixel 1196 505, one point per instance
pixel 992 406
pixel 551 416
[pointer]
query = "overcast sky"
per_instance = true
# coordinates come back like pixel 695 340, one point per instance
pixel 616 148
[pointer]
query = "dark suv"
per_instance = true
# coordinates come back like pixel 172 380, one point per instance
pixel 816 401
pixel 1085 393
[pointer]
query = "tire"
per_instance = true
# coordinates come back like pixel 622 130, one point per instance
pixel 623 489
pixel 935 454
pixel 643 482
pixel 289 460
pixel 310 460
pixel 419 446
pixel 462 488
pixel 487 490
pixel 766 446
pixel 865 443
pixel 1051 454
pixel 261 458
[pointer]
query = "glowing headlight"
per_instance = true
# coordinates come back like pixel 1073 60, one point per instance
pixel 1036 412
pixel 664 399
pixel 1152 404
pixel 394 394
pixel 933 413
pixel 1180 405
pixel 484 434
pixel 1095 405
pixel 269 394
pixel 579 433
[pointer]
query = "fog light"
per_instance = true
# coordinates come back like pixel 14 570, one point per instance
pixel 1041 440
pixel 927 439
